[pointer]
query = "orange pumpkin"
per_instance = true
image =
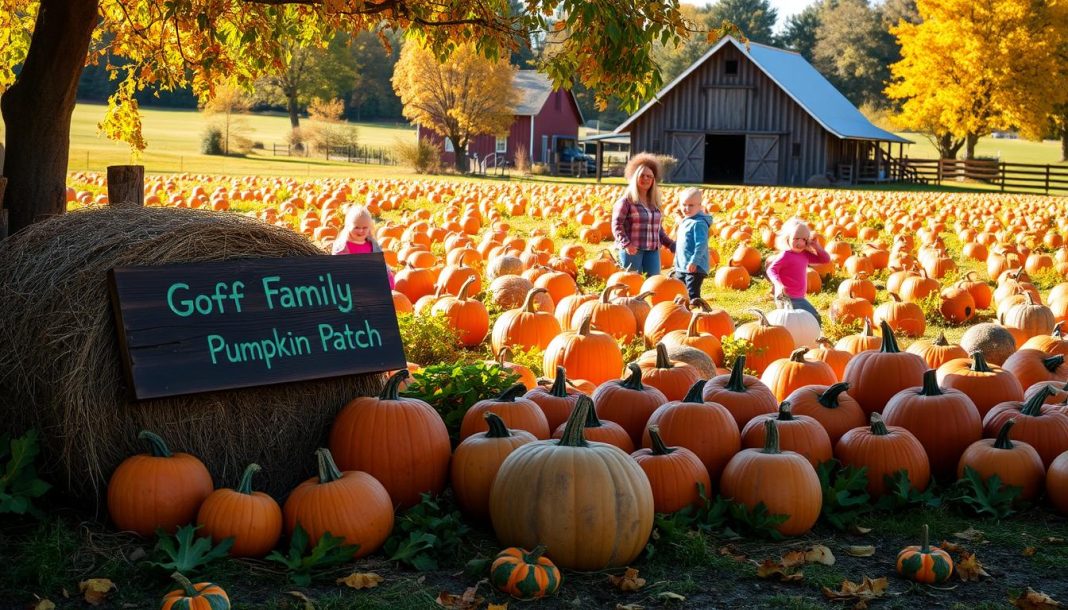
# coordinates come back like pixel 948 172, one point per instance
pixel 628 402
pixel 477 460
pixel 252 519
pixel 884 450
pixel 675 474
pixel 518 413
pixel 585 354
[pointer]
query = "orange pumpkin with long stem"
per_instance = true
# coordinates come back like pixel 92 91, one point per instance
pixel 1044 427
pixel 628 402
pixel 477 460
pixel 556 401
pixel 744 396
pixel 874 377
pixel 1016 464
pixel 770 342
pixel 799 433
pixel 705 428
pixel 612 318
pixel 585 354
pixel 673 378
pixel 525 327
pixel 674 474
pixel 252 519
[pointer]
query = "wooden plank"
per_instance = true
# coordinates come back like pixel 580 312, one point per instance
pixel 126 186
pixel 190 328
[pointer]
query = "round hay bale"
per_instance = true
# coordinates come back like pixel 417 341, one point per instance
pixel 62 370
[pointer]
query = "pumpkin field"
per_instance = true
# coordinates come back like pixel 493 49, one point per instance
pixel 575 433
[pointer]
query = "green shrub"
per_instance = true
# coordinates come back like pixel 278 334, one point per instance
pixel 428 339
pixel 422 156
pixel 212 142
pixel 540 169
pixel 452 388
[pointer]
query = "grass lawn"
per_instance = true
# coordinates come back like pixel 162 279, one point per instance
pixel 1009 151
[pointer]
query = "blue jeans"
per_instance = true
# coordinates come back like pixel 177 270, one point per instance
pixel 803 303
pixel 645 261
pixel 693 282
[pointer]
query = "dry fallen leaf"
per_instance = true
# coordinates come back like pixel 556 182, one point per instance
pixel 1029 551
pixel 1034 600
pixel 863 592
pixel 971 534
pixel 468 601
pixel 950 547
pixel 307 601
pixel 629 581
pixel 96 590
pixel 503 606
pixel 669 596
pixel 819 554
pixel 856 529
pixel 770 568
pixel 44 604
pixel 969 568
pixel 732 551
pixel 1055 540
pixel 361 580
pixel 792 559
pixel 860 551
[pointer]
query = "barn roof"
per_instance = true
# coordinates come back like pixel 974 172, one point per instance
pixel 802 82
pixel 534 89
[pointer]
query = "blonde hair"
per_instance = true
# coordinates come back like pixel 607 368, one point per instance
pixel 355 213
pixel 794 227
pixel 631 192
pixel 688 193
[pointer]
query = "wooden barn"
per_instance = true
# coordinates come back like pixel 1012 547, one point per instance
pixel 760 115
pixel 546 122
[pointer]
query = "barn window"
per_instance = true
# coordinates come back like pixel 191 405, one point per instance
pixel 502 145
pixel 730 67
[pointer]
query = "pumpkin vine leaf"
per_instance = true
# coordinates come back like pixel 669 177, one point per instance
pixel 990 497
pixel 758 521
pixel 845 495
pixel 186 553
pixel 900 494
pixel 329 551
pixel 452 388
pixel 427 534
pixel 19 484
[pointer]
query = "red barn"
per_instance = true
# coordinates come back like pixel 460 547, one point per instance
pixel 546 122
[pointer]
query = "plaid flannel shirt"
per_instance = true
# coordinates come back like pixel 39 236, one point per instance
pixel 638 225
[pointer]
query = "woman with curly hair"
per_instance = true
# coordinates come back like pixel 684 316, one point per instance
pixel 637 220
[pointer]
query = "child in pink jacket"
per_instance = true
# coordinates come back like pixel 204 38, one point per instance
pixel 788 271
pixel 357 236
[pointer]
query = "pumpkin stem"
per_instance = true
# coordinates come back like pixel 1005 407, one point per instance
pixel 798 355
pixel 785 411
pixel 391 391
pixel 512 393
pixel 691 329
pixel 662 360
pixel 825 342
pixel 1002 441
pixel 930 384
pixel 1053 362
pixel 829 397
pixel 190 590
pixel 497 429
pixel 1033 406
pixel 533 556
pixel 889 342
pixel 634 381
pixel 559 388
pixel 609 289
pixel 659 448
pixel 528 303
pixel 700 303
pixel 940 341
pixel 760 316
pixel 584 328
pixel 979 364
pixel 503 354
pixel 867 328
pixel 697 392
pixel 245 486
pixel 736 383
pixel 878 426
pixel 328 470
pixel 592 421
pixel 155 443
pixel 462 295
pixel 771 437
pixel 926 540
pixel 573 436
pixel 1057 330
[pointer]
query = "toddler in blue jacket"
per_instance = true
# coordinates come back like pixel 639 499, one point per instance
pixel 691 242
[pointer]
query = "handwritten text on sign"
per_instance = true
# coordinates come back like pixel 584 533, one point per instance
pixel 210 326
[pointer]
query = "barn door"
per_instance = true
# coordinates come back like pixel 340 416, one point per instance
pixel 761 159
pixel 689 149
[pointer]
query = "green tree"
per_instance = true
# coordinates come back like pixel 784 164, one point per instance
pixel 465 96
pixel 853 50
pixel 800 31
pixel 225 107
pixel 754 18
pixel 674 60
pixel 173 44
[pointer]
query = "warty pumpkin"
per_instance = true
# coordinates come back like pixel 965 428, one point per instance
pixel 476 462
pixel 925 563
pixel 525 575
pixel 1015 463
pixel 884 450
pixel 518 413
pixel 874 377
pixel 830 405
pixel 798 433
pixel 944 420
pixel 628 402
pixel 158 490
pixel 674 474
pixel 585 353
pixel 201 596
pixel 994 340
pixel 252 519
pixel 352 505
pixel 705 428
pixel 589 502
pixel 784 481
pixel 744 396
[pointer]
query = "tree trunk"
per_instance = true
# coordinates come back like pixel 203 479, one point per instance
pixel 948 147
pixel 37 111
pixel 460 152
pixel 294 109
pixel 1064 144
pixel 969 150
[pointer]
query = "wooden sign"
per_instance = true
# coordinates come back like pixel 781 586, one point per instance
pixel 191 328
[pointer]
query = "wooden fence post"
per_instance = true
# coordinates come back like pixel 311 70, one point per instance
pixel 939 175
pixel 3 210
pixel 1047 178
pixel 126 186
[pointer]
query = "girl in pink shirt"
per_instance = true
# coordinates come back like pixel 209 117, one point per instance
pixel 788 271
pixel 357 236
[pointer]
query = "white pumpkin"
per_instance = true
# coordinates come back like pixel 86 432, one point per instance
pixel 802 325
